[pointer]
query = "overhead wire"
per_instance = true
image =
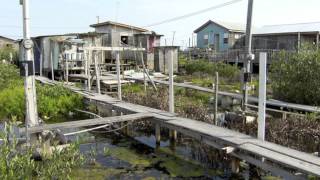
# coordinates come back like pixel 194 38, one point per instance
pixel 194 13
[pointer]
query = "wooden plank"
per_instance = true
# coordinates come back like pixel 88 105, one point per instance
pixel 221 137
pixel 239 96
pixel 236 139
pixel 285 160
pixel 89 122
pixel 92 48
pixel 289 152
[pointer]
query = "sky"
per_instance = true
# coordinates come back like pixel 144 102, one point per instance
pixel 68 16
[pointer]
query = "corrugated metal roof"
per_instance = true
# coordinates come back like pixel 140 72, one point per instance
pixel 233 27
pixel 9 39
pixel 289 28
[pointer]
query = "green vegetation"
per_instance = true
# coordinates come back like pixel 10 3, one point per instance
pixel 97 173
pixel 17 163
pixel 206 68
pixel 189 103
pixel 9 74
pixel 129 156
pixel 295 76
pixel 175 165
pixel 53 101
pixel 5 54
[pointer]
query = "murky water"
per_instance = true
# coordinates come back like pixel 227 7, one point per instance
pixel 136 156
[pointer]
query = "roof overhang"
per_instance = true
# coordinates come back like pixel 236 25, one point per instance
pixel 217 24
pixel 118 24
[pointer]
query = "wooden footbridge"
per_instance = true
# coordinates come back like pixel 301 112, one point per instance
pixel 279 160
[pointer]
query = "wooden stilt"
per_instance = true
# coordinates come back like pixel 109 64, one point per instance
pixel 158 134
pixel 235 165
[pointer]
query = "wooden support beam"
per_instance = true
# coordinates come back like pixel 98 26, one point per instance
pixel 52 64
pixel 118 75
pixel 158 134
pixel 67 70
pixel 88 70
pixel 97 70
pixel 235 165
pixel 89 122
pixel 299 41
pixel 262 96
pixel 216 96
pixel 173 133
pixel 317 40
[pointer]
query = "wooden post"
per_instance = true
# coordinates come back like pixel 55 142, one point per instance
pixel 96 67
pixel 158 134
pixel 118 75
pixel 262 96
pixel 235 165
pixel 86 71
pixel 67 70
pixel 299 41
pixel 171 88
pixel 173 133
pixel 144 70
pixel 41 62
pixel 216 96
pixel 51 63
pixel 317 40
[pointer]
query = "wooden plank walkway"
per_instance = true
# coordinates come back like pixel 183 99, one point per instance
pixel 251 99
pixel 278 158
pixel 89 122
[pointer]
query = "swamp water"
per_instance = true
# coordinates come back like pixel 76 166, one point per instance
pixel 136 156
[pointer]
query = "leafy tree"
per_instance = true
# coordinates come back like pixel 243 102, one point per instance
pixel 295 77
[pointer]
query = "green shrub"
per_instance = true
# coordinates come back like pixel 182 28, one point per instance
pixel 225 70
pixel 295 77
pixel 16 163
pixel 12 103
pixel 57 100
pixel 8 74
pixel 5 54
pixel 52 101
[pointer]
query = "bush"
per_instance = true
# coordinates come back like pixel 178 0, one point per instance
pixel 295 76
pixel 16 163
pixel 53 101
pixel 225 70
pixel 8 74
pixel 5 54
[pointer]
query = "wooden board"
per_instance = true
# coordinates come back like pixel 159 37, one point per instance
pixel 89 122
pixel 220 137
pixel 239 96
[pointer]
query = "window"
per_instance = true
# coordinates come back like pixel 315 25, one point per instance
pixel 206 39
pixel 226 38
pixel 125 40
pixel 237 36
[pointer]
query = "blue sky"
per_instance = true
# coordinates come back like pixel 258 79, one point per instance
pixel 66 16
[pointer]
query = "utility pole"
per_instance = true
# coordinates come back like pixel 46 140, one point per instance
pixel 29 82
pixel 249 57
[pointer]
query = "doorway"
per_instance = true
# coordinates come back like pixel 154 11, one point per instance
pixel 217 42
